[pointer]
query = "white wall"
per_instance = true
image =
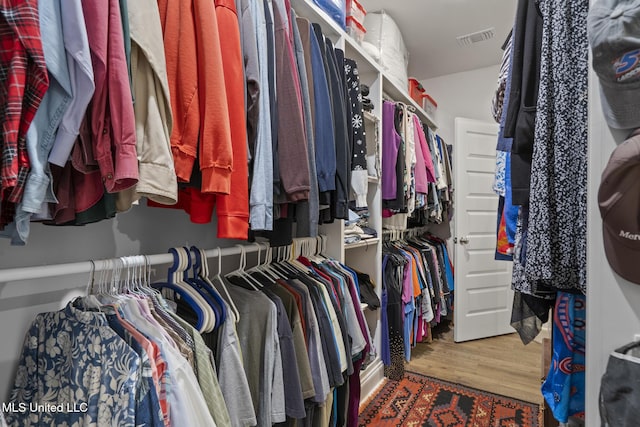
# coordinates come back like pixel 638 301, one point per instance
pixel 466 94
pixel 143 230
pixel 613 304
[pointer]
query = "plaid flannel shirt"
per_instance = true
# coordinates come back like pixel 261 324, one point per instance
pixel 23 83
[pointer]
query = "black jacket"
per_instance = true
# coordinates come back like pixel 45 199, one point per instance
pixel 523 97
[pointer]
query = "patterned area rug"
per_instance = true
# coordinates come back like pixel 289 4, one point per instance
pixel 418 400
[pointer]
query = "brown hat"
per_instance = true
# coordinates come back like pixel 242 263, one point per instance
pixel 619 200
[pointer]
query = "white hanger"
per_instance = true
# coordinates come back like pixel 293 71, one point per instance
pixel 240 272
pixel 205 277
pixel 267 267
pixel 261 266
pixel 90 300
pixel 218 278
pixel 90 282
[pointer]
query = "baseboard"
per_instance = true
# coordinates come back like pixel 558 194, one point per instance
pixel 371 379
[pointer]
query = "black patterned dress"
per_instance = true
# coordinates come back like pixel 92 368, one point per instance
pixel 392 279
pixel 556 237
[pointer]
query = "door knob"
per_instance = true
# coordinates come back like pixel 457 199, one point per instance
pixel 464 240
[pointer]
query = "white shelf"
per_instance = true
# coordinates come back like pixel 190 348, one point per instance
pixel 308 9
pixel 397 94
pixel 363 243
pixel 366 64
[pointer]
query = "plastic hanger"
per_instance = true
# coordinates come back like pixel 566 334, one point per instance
pixel 270 268
pixel 218 279
pixel 204 274
pixel 199 286
pixel 293 256
pixel 109 283
pixel 211 295
pixel 251 280
pixel 90 300
pixel 184 294
pixel 280 267
pixel 144 286
pixel 143 303
pixel 201 296
pixel 259 268
pixel 265 267
pixel 240 273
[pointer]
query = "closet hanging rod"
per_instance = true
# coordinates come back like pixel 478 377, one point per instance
pixel 410 232
pixel 68 269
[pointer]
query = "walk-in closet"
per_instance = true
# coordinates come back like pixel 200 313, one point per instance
pixel 319 213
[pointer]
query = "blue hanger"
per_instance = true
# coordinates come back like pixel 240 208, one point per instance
pixel 204 300
pixel 184 295
pixel 201 297
pixel 199 286
pixel 219 306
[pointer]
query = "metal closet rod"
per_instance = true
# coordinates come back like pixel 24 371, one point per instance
pixel 409 232
pixel 56 270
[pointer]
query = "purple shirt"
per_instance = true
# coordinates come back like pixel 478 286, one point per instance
pixel 390 146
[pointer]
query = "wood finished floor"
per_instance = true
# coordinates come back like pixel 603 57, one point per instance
pixel 501 365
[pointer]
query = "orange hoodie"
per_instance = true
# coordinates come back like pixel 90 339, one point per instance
pixel 233 210
pixel 198 95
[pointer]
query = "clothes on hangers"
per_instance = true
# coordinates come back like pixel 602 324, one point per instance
pixel 521 109
pixel 109 389
pixel 307 212
pixel 535 135
pixel 417 292
pixel 156 368
pixel 85 53
pixel 152 109
pixel 303 316
pixel 261 352
pixel 558 253
pixel 416 171
pixel 189 125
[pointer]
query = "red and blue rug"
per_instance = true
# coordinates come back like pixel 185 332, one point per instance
pixel 418 400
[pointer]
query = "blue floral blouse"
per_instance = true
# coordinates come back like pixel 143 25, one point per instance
pixel 74 371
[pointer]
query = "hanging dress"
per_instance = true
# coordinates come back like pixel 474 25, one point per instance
pixel 392 279
pixel 556 239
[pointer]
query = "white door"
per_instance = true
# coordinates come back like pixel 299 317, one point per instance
pixel 483 297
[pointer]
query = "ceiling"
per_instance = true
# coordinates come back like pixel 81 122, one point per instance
pixel 430 28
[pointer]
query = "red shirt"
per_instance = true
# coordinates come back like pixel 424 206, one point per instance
pixel 110 111
pixel 23 83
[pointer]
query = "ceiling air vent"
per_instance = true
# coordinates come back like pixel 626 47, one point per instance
pixel 477 37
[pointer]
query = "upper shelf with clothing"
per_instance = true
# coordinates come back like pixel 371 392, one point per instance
pixel 365 62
